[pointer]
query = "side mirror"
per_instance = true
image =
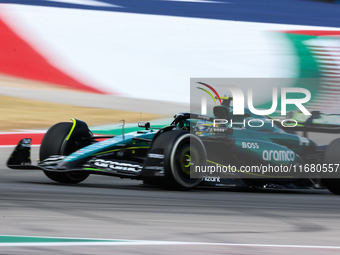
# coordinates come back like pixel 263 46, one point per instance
pixel 144 124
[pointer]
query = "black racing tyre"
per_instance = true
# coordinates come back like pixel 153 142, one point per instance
pixel 333 185
pixel 331 156
pixel 183 151
pixel 54 143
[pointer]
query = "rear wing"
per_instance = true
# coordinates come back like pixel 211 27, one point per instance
pixel 330 130
pixel 317 122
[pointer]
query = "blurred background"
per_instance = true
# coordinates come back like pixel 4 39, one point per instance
pixel 102 61
pixel 135 58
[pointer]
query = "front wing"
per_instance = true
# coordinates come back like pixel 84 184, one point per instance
pixel 21 159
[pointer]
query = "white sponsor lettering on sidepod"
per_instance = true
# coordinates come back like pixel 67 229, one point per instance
pixel 280 155
pixel 250 145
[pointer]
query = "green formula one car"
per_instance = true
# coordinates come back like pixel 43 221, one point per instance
pixel 188 152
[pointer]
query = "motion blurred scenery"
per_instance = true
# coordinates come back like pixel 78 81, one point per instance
pixel 149 50
pixel 105 61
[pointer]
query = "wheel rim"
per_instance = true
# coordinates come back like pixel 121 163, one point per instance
pixel 188 160
pixel 185 160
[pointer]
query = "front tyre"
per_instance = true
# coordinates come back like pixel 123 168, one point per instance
pixel 183 152
pixel 55 143
pixel 331 156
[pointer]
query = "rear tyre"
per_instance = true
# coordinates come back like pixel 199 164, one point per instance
pixel 54 143
pixel 333 185
pixel 331 156
pixel 183 151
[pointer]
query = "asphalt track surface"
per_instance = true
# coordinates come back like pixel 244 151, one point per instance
pixel 245 221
